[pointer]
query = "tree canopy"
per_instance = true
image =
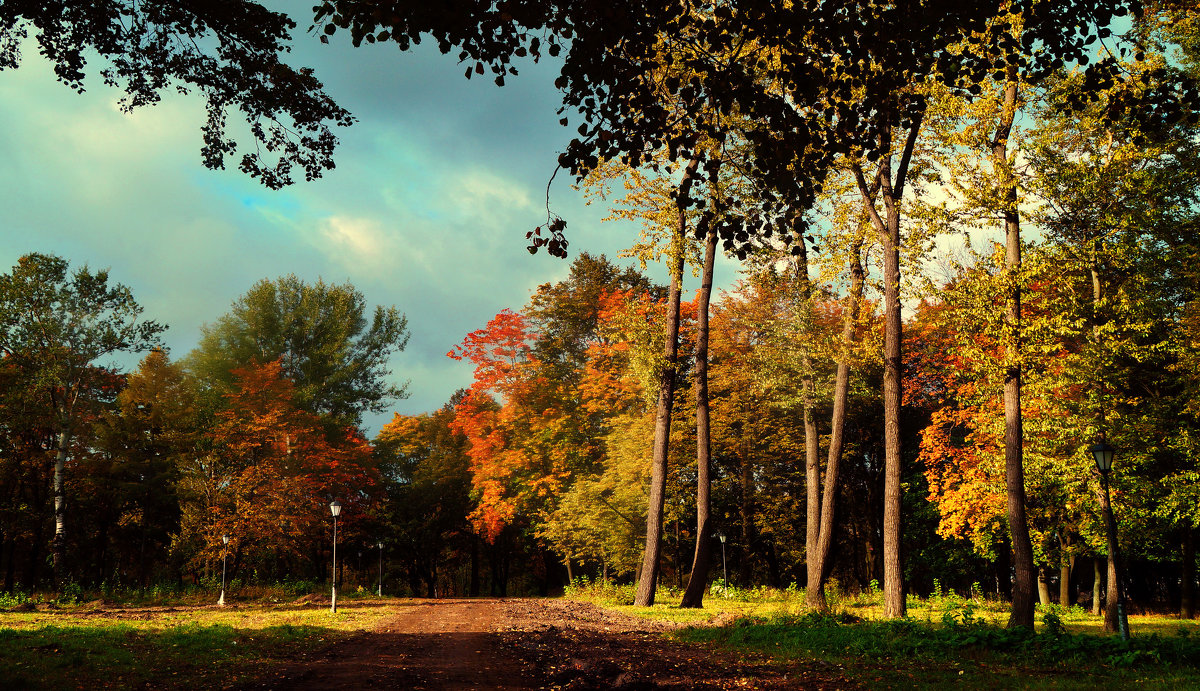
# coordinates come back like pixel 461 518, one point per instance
pixel 320 333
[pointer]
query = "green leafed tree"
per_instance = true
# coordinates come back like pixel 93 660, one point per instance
pixel 321 334
pixel 55 324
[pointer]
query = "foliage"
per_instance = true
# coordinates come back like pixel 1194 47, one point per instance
pixel 799 73
pixel 320 333
pixel 228 52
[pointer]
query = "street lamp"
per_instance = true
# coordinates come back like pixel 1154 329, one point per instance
pixel 379 592
pixel 224 554
pixel 1103 454
pixel 335 508
pixel 724 568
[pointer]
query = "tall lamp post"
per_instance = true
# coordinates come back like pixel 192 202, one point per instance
pixel 379 592
pixel 224 554
pixel 724 569
pixel 335 508
pixel 1103 454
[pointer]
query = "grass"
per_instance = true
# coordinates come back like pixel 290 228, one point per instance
pixel 80 646
pixel 946 640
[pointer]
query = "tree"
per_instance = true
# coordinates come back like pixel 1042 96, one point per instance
pixel 425 473
pixel 320 333
pixel 805 74
pixel 228 52
pixel 146 438
pixel 270 470
pixel 54 324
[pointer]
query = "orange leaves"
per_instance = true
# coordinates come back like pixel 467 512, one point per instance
pixel 280 465
pixel 498 351
pixel 965 473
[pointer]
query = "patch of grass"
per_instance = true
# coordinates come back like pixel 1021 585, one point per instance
pixel 962 650
pixel 200 647
pixel 947 640
pixel 720 602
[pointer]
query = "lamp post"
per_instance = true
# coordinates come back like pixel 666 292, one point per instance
pixel 1103 454
pixel 224 554
pixel 724 569
pixel 335 508
pixel 379 591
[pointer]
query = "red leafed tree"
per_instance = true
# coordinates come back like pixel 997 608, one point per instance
pixel 503 367
pixel 272 470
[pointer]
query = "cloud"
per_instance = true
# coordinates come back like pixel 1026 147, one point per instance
pixel 356 242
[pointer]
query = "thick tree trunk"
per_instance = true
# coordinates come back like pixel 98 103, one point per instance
pixel 694 595
pixel 812 451
pixel 818 564
pixel 1187 593
pixel 1112 598
pixel 888 228
pixel 1014 469
pixel 651 556
pixel 1097 582
pixel 893 585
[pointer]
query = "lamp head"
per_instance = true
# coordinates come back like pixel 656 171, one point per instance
pixel 225 539
pixel 721 537
pixel 335 508
pixel 1102 454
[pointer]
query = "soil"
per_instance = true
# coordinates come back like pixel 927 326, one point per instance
pixel 511 644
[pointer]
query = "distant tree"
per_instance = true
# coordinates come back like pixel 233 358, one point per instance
pixel 54 325
pixel 149 434
pixel 321 336
pixel 424 467
pixel 228 51
pixel 270 470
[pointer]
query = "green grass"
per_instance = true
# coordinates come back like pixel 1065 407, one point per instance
pixel 77 647
pixel 946 640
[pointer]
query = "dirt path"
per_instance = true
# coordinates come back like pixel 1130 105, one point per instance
pixel 518 644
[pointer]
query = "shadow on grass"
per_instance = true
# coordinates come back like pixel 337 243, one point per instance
pixel 963 651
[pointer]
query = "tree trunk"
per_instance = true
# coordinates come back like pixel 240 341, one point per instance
pixel 1113 596
pixel 818 566
pixel 1187 593
pixel 888 228
pixel 1064 582
pixel 648 578
pixel 474 587
pixel 812 450
pixel 747 509
pixel 1014 469
pixel 58 545
pixel 1043 585
pixel 694 595
pixel 1097 581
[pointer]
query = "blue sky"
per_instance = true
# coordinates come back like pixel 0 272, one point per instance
pixel 434 190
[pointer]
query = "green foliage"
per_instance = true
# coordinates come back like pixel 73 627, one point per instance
pixel 14 599
pixel 70 593
pixel 337 358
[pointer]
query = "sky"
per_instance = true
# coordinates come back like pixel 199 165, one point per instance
pixel 427 209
